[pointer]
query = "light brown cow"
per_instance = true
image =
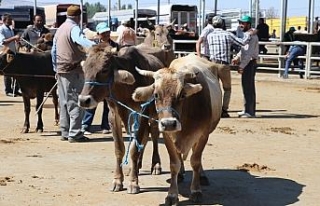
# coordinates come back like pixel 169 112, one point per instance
pixel 112 77
pixel 188 102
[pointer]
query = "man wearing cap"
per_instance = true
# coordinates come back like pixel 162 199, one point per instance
pixel 220 42
pixel 246 59
pixel 104 37
pixel 66 58
pixel 202 46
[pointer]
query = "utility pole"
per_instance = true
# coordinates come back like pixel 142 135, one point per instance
pixel 119 4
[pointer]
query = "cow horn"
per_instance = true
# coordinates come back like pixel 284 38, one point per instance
pixel 145 72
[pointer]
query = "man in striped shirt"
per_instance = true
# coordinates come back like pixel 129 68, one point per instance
pixel 220 42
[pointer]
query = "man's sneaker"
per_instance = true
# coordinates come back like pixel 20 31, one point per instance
pixel 241 113
pixel 106 131
pixel 86 132
pixel 246 115
pixel 81 139
pixel 225 114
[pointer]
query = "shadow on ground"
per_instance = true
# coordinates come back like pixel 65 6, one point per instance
pixel 239 188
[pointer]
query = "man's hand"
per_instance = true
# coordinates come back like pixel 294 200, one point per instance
pixel 16 37
pixel 240 70
pixel 253 31
pixel 235 61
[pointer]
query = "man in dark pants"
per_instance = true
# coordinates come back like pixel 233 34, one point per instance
pixel 246 59
pixel 7 38
pixel 219 42
pixel 263 34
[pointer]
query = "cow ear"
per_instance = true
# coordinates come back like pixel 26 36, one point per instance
pixel 123 76
pixel 10 57
pixel 190 89
pixel 142 94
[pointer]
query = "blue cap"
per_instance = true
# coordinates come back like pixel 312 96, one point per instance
pixel 102 27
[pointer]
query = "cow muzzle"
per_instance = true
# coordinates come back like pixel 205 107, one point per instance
pixel 87 101
pixel 170 124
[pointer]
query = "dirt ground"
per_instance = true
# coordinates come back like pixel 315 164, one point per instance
pixel 270 160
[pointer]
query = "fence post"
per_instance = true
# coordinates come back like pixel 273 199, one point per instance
pixel 308 61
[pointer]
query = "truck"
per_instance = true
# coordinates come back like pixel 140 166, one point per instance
pixel 56 14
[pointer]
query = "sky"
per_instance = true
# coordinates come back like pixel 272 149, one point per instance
pixel 295 7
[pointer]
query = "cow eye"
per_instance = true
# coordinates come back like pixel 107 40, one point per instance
pixel 182 96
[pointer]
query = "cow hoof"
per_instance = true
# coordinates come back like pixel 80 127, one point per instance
pixel 171 200
pixel 25 130
pixel 156 169
pixel 133 189
pixel 196 197
pixel 56 123
pixel 116 186
pixel 204 181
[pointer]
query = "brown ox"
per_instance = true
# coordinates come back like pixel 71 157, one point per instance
pixel 188 102
pixel 112 77
pixel 35 75
pixel 158 43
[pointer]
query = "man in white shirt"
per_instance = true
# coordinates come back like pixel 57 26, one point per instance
pixel 7 38
pixel 202 46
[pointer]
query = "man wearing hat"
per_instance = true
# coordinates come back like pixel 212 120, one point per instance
pixel 128 36
pixel 66 58
pixel 220 42
pixel 246 59
pixel 104 37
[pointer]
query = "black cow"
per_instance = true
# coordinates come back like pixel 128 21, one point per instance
pixel 35 75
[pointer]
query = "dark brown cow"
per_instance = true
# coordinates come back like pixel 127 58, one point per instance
pixel 34 74
pixel 112 77
pixel 188 102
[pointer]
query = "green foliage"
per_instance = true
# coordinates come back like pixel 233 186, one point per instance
pixel 93 8
pixel 129 6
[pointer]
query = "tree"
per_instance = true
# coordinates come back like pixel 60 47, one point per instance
pixel 272 13
pixel 129 6
pixel 123 7
pixel 93 8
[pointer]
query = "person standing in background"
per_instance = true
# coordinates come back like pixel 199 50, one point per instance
pixel 246 59
pixel 263 34
pixel 202 46
pixel 33 33
pixel 7 38
pixel 103 32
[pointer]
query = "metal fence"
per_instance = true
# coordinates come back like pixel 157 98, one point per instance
pixel 310 58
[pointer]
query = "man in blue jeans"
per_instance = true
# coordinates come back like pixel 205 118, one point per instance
pixel 104 36
pixel 88 118
pixel 294 51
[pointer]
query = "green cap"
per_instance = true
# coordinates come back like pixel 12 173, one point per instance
pixel 245 18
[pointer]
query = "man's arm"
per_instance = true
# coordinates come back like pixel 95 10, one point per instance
pixel 54 54
pixel 78 37
pixel 198 44
pixel 5 41
pixel 238 41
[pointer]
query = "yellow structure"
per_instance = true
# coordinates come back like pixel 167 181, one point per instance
pixel 291 21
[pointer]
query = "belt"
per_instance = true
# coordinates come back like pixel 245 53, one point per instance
pixel 220 62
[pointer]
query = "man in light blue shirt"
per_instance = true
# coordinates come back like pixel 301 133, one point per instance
pixel 66 59
pixel 7 38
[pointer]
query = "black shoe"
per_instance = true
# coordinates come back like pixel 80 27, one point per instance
pixel 225 114
pixel 81 139
pixel 64 138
